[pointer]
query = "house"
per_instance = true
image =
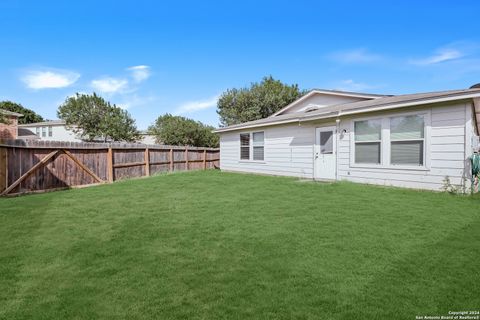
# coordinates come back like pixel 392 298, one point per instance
pixel 147 138
pixel 9 130
pixel 411 140
pixel 53 130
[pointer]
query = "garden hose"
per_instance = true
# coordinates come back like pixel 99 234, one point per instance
pixel 475 158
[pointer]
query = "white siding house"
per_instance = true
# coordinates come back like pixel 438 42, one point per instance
pixel 55 130
pixel 413 141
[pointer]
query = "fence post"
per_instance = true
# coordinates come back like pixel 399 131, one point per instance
pixel 205 159
pixel 171 159
pixel 147 162
pixel 186 158
pixel 3 169
pixel 110 165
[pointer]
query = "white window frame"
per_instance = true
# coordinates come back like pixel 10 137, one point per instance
pixel 44 132
pixel 50 131
pixel 250 155
pixel 369 141
pixel 419 139
pixel 385 150
pixel 249 145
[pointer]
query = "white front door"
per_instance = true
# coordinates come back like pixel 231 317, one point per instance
pixel 325 153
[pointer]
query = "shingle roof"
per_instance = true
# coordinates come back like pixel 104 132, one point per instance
pixel 44 123
pixel 352 93
pixel 367 106
pixel 26 133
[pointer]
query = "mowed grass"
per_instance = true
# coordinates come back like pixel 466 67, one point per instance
pixel 213 245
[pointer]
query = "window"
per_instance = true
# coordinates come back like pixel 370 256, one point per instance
pixel 258 148
pixel 407 139
pixel 326 142
pixel 245 146
pixel 368 140
pixel 37 131
pixel 50 133
pixel 44 131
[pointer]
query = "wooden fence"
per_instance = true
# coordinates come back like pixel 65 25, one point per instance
pixel 36 166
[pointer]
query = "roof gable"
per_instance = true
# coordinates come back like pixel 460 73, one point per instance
pixel 317 99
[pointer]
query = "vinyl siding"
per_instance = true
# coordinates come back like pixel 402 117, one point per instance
pixel 59 133
pixel 289 151
pixel 445 154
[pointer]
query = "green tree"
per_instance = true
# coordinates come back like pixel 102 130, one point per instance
pixel 3 118
pixel 181 131
pixel 93 118
pixel 29 116
pixel 258 101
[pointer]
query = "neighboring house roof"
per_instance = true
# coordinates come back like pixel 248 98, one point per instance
pixel 10 113
pixel 331 93
pixel 377 104
pixel 44 123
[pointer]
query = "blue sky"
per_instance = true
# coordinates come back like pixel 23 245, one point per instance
pixel 153 57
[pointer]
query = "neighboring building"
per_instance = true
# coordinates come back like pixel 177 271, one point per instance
pixel 146 138
pixel 55 130
pixel 9 130
pixel 26 134
pixel 413 140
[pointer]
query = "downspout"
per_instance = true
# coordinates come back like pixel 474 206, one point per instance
pixel 476 114
pixel 337 135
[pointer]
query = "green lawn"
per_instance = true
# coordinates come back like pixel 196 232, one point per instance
pixel 212 245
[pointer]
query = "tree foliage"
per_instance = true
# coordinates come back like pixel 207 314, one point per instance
pixel 29 116
pixel 3 118
pixel 258 101
pixel 94 118
pixel 181 131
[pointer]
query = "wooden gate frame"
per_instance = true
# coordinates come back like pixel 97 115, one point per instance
pixel 44 162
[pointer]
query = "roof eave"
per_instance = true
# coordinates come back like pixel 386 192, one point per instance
pixel 355 111
pixel 410 104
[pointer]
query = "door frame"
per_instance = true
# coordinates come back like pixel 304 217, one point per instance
pixel 316 149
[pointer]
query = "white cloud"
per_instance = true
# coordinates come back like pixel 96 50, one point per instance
pixel 49 79
pixel 193 106
pixel 355 56
pixel 351 85
pixel 109 85
pixel 140 73
pixel 442 55
pixel 135 101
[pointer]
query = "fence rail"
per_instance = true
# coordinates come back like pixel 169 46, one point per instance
pixel 37 166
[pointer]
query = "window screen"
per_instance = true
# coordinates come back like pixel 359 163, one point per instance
pixel 368 152
pixel 245 146
pixel 407 135
pixel 258 145
pixel 368 136
pixel 407 152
